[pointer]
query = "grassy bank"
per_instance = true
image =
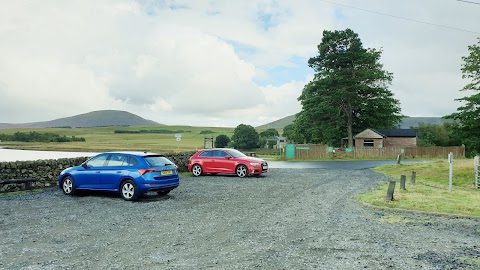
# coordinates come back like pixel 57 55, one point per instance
pixel 430 193
pixel 105 139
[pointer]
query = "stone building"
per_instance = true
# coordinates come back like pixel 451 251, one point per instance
pixel 379 138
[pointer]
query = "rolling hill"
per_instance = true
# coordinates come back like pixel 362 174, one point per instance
pixel 279 124
pixel 407 122
pixel 91 119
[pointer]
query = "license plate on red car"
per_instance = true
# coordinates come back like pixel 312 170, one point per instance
pixel 166 172
pixel 264 167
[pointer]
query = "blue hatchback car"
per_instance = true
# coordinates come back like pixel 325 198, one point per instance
pixel 130 173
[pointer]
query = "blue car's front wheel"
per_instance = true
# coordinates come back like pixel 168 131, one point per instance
pixel 68 185
pixel 129 190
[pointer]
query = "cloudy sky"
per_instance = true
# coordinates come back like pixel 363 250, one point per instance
pixel 217 63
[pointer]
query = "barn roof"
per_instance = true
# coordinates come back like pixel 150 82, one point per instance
pixel 396 132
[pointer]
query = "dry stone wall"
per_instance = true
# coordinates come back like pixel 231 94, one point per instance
pixel 47 171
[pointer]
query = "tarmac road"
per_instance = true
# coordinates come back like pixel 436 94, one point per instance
pixel 337 165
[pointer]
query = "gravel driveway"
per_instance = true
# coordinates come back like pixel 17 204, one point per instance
pixel 287 219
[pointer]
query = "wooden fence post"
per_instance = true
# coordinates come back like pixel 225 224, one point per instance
pixel 414 177
pixel 399 159
pixel 403 179
pixel 476 167
pixel 391 189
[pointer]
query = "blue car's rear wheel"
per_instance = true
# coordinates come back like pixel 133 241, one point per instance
pixel 68 185
pixel 129 190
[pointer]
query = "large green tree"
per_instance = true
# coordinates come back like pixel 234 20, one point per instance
pixel 291 134
pixel 222 141
pixel 349 92
pixel 269 133
pixel 245 137
pixel 468 115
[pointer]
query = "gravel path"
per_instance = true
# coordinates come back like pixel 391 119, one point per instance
pixel 287 219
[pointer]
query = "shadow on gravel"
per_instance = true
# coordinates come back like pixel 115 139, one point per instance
pixel 148 198
pixel 231 176
pixel 145 198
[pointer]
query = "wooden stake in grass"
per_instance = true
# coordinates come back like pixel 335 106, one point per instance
pixel 403 179
pixel 399 159
pixel 414 177
pixel 391 189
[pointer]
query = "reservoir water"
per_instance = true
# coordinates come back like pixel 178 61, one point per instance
pixel 23 155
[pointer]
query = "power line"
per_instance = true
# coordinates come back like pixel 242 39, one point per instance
pixel 470 2
pixel 406 19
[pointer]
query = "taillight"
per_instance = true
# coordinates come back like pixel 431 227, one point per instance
pixel 144 171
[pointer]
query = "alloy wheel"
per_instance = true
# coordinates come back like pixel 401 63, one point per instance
pixel 196 170
pixel 67 185
pixel 128 190
pixel 241 171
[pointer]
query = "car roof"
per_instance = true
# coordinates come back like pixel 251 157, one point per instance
pixel 209 149
pixel 134 153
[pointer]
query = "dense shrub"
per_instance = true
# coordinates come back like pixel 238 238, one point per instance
pixel 34 136
pixel 222 141
pixel 245 137
pixel 157 131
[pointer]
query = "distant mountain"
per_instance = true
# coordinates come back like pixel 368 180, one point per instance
pixel 279 124
pixel 92 119
pixel 407 122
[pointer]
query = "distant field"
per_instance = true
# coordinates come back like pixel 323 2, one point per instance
pixel 104 139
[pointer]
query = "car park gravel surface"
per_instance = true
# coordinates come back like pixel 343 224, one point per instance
pixel 285 219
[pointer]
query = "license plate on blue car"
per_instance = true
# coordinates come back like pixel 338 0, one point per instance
pixel 166 172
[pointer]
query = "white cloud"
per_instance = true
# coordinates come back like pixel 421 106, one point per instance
pixel 181 62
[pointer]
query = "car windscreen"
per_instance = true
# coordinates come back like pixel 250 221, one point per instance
pixel 155 161
pixel 236 153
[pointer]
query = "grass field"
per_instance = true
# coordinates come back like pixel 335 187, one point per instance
pixel 430 193
pixel 104 139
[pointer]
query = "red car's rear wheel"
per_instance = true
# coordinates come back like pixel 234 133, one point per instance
pixel 197 170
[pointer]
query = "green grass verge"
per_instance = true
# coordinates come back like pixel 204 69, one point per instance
pixel 430 193
pixel 184 175
pixel 471 262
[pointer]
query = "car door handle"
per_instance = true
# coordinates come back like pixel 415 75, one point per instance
pixel 119 171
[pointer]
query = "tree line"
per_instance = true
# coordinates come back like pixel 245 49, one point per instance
pixel 34 136
pixel 245 137
pixel 156 131
pixel 350 93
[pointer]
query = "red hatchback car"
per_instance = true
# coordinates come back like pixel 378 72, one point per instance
pixel 225 161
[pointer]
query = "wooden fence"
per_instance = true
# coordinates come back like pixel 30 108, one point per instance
pixel 314 151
